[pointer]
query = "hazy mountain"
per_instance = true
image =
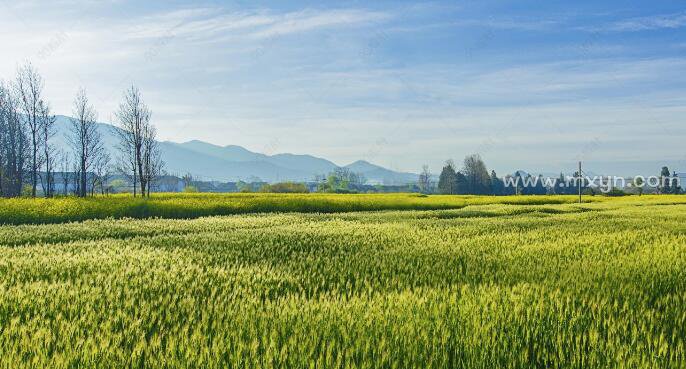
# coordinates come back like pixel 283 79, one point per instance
pixel 63 130
pixel 303 162
pixel 306 163
pixel 232 163
pixel 231 152
pixel 377 174
pixel 179 160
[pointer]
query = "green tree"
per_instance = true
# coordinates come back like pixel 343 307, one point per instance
pixel 461 184
pixel 447 181
pixel 665 180
pixel 560 187
pixel 519 186
pixel 497 185
pixel 342 180
pixel 638 184
pixel 540 186
pixel 478 179
pixel 243 187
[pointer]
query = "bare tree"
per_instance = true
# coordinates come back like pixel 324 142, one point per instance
pixel 76 178
pixel 137 143
pixel 187 180
pixel 126 167
pixel 65 167
pixel 85 139
pixel 4 133
pixel 47 123
pixel 102 172
pixel 14 147
pixel 425 180
pixel 29 88
pixel 152 158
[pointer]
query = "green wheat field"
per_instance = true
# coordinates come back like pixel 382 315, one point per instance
pixel 343 281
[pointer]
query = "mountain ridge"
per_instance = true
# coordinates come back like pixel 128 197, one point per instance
pixel 233 163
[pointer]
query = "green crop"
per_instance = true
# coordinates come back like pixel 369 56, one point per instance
pixel 194 205
pixel 521 284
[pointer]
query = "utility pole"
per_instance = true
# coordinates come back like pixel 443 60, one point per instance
pixel 579 182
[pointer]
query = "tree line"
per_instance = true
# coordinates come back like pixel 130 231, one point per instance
pixel 472 178
pixel 29 156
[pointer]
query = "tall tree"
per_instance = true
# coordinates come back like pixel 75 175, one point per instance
pixel 85 139
pixel 152 157
pixel 665 180
pixel 676 186
pixel 2 145
pixel 447 181
pixel 478 179
pixel 101 169
pixel 3 139
pixel 47 132
pixel 425 180
pixel 65 167
pixel 76 178
pixel 638 183
pixel 14 146
pixel 539 188
pixel 461 184
pixel 519 186
pixel 29 87
pixel 497 186
pixel 139 149
pixel 187 180
pixel 560 185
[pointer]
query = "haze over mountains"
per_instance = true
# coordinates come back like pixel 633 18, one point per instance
pixel 232 163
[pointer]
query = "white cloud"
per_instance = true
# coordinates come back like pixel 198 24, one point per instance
pixel 308 20
pixel 676 20
pixel 216 25
pixel 511 23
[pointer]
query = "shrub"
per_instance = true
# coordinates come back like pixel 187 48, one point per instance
pixel 190 189
pixel 285 187
pixel 615 192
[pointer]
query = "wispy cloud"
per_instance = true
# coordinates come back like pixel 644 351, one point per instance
pixel 215 24
pixel 676 20
pixel 509 23
pixel 195 23
pixel 308 19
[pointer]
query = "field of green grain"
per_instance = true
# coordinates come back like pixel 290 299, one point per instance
pixel 477 282
pixel 187 206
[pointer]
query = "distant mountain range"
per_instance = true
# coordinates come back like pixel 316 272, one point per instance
pixel 232 163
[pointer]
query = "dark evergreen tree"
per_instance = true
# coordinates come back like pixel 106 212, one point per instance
pixel 665 181
pixel 497 186
pixel 478 180
pixel 676 188
pixel 461 184
pixel 447 181
pixel 539 187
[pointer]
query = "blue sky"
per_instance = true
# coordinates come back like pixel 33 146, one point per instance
pixel 533 85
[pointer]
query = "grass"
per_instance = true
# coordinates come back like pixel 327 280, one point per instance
pixel 486 285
